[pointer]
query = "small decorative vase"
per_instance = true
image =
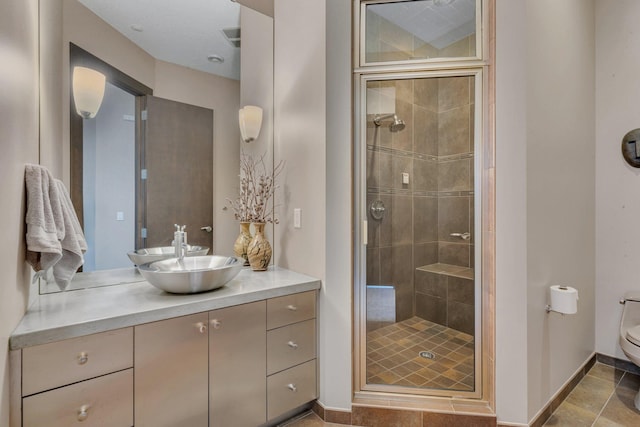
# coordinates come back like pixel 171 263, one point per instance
pixel 242 242
pixel 259 250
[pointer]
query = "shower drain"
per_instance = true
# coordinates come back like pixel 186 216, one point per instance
pixel 427 355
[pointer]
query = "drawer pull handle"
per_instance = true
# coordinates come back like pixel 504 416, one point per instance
pixel 83 413
pixel 216 324
pixel 292 307
pixel 83 358
pixel 293 345
pixel 201 327
pixel 292 387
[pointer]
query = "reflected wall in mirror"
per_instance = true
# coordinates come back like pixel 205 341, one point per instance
pixel 69 21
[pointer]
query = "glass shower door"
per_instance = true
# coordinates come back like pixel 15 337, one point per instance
pixel 421 293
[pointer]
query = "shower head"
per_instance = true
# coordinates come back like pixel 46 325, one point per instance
pixel 396 126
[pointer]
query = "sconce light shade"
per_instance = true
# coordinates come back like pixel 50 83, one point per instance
pixel 250 119
pixel 88 91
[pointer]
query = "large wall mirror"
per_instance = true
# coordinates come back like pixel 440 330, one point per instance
pixel 187 63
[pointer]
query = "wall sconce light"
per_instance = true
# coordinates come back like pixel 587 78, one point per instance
pixel 250 119
pixel 88 91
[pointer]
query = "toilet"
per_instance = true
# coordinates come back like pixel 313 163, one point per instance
pixel 630 331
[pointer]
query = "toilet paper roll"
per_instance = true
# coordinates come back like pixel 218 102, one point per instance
pixel 564 299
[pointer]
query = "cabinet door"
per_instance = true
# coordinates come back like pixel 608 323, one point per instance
pixel 171 363
pixel 237 365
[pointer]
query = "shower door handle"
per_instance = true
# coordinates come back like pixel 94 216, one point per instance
pixel 365 232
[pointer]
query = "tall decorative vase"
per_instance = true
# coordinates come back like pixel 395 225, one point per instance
pixel 259 250
pixel 242 242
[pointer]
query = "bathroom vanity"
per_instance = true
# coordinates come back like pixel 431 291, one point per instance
pixel 243 355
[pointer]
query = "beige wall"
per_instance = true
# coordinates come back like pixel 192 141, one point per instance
pixel 336 304
pixel 511 213
pixel 256 75
pixel 617 183
pixel 300 132
pixel 19 145
pixel 546 197
pixel 560 189
pixel 312 93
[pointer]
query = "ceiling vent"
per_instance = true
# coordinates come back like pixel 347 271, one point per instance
pixel 232 35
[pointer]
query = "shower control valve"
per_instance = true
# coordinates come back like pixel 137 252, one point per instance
pixel 463 236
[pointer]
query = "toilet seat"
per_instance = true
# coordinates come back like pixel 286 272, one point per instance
pixel 633 335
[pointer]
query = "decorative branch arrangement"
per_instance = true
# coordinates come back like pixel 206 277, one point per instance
pixel 257 187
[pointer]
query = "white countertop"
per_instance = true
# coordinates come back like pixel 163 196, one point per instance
pixel 59 316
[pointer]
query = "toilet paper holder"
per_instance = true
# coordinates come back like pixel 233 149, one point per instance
pixel 549 307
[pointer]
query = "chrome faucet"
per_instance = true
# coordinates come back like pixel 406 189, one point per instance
pixel 180 241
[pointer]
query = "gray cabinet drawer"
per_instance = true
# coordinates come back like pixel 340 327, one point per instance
pixel 290 345
pixel 105 401
pixel 289 309
pixel 291 388
pixel 64 362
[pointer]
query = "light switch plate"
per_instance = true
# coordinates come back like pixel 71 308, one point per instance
pixel 297 218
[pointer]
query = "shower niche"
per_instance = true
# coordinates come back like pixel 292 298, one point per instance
pixel 421 312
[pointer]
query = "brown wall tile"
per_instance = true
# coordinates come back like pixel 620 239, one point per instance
pixel 432 284
pixel 425 131
pixel 425 219
pixel 425 175
pixel 403 140
pixel 461 290
pixel 453 92
pixel 425 254
pixel 454 175
pixel 460 317
pixel 453 131
pixel 401 219
pixel 400 164
pixel 426 93
pixel 431 308
pixel 454 253
pixel 453 217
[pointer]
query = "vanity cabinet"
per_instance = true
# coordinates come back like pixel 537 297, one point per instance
pixel 244 365
pixel 237 366
pixel 291 352
pixel 81 381
pixel 171 366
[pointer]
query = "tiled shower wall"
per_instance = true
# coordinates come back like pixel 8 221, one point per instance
pixel 436 150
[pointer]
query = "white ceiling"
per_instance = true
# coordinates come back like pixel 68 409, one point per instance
pixel 433 21
pixel 183 32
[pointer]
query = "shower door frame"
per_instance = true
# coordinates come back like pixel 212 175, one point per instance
pixel 362 388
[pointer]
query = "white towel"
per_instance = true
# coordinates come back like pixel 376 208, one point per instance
pixel 54 237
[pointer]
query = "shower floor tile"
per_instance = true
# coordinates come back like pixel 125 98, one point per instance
pixel 393 356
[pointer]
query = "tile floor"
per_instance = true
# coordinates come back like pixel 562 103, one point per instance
pixel 603 398
pixel 309 419
pixel 393 356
